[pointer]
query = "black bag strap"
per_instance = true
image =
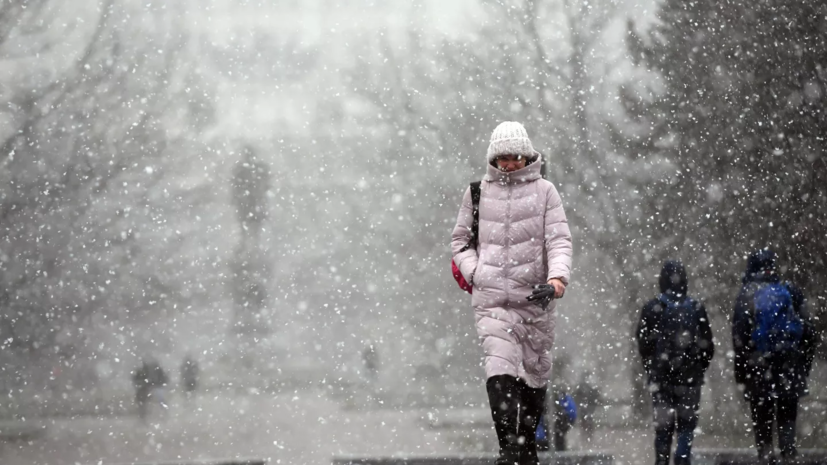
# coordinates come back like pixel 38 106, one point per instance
pixel 476 193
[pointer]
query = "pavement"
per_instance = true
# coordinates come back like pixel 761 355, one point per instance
pixel 304 426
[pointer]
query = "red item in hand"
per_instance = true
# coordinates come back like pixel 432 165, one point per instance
pixel 460 279
pixel 476 194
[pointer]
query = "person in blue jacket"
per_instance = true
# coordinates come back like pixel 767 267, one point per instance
pixel 774 342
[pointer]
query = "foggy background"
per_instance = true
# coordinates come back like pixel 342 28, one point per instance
pixel 269 187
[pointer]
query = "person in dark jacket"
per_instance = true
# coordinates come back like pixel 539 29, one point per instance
pixel 565 415
pixel 675 342
pixel 775 378
pixel 189 376
pixel 149 381
pixel 588 397
pixel 370 359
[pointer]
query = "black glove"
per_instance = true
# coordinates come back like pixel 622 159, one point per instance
pixel 542 293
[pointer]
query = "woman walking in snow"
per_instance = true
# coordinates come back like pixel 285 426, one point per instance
pixel 521 261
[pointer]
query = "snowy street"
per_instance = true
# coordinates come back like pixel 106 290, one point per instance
pixel 303 427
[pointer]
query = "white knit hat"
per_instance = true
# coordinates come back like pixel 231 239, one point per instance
pixel 510 138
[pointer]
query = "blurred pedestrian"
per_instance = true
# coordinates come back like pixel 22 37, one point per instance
pixel 588 399
pixel 370 360
pixel 565 416
pixel 149 380
pixel 675 343
pixel 511 239
pixel 190 372
pixel 774 341
pixel 543 434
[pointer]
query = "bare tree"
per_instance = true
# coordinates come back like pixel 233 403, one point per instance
pixel 438 100
pixel 78 172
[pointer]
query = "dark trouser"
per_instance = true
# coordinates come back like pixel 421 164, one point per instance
pixel 561 428
pixel 768 408
pixel 587 425
pixel 516 410
pixel 675 407
pixel 141 400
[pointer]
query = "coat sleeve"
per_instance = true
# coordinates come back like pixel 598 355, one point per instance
pixel 466 261
pixel 557 238
pixel 742 335
pixel 705 341
pixel 647 335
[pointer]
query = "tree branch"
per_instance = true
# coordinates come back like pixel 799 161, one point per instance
pixel 34 116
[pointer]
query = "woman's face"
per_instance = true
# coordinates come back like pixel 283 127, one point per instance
pixel 509 163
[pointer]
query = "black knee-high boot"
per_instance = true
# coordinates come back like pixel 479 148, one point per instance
pixel 534 401
pixel 504 394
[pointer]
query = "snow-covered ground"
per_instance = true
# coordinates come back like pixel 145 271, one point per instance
pixel 301 427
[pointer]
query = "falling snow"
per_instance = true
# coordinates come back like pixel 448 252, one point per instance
pixel 225 225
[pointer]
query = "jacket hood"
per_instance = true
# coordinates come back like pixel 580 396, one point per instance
pixel 531 172
pixel 761 266
pixel 673 278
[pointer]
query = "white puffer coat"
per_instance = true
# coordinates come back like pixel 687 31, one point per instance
pixel 524 239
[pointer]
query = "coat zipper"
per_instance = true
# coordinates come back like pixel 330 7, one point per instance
pixel 507 241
